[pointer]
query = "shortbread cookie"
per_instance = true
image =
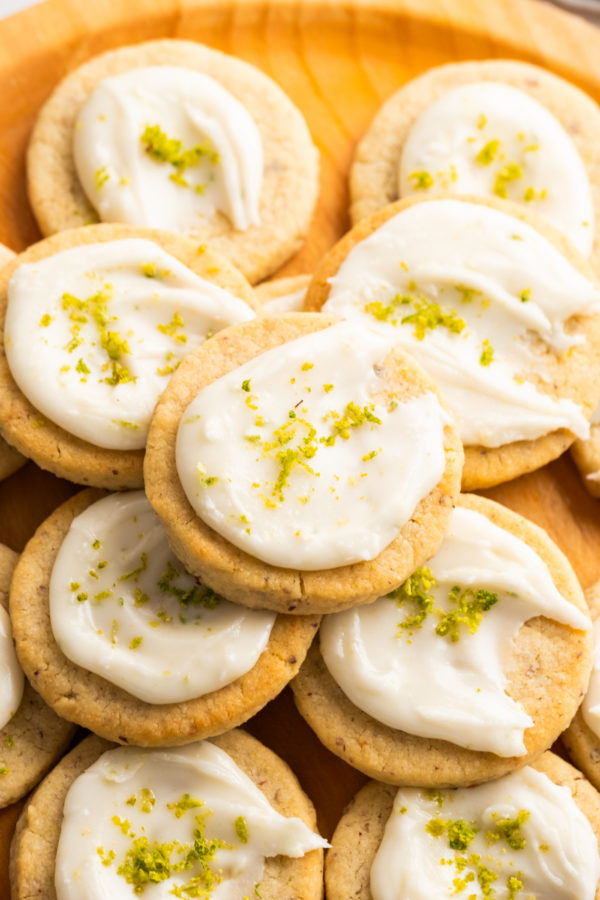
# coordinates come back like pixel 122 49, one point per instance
pixel 468 671
pixel 283 295
pixel 494 305
pixel 586 455
pixel 83 361
pixel 487 838
pixel 216 151
pixel 37 838
pixel 299 464
pixel 582 737
pixel 103 689
pixel 10 459
pixel 494 128
pixel 34 737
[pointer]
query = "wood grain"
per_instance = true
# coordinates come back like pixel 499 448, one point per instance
pixel 337 60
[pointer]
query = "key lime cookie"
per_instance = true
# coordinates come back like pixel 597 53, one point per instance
pixel 172 134
pixel 582 737
pixel 283 295
pixel 494 128
pixel 119 638
pixel 32 737
pixel 218 818
pixel 94 323
pixel 10 459
pixel 300 464
pixel 498 309
pixel 533 833
pixel 469 670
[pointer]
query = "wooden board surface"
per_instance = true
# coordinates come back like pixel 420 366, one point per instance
pixel 337 61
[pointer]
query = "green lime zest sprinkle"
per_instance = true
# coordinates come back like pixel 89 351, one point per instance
pixel 135 643
pixel 82 368
pixel 147 800
pixel 354 417
pixel 241 829
pixel 45 320
pixel 305 367
pixel 459 833
pixel 428 316
pixel 387 312
pixel 101 176
pixel 488 153
pixel 470 606
pixel 135 573
pixel 481 121
pixel 4 770
pixel 487 354
pixel 246 385
pixel 170 150
pixel 171 330
pixel 416 590
pixel 196 595
pixel 327 388
pixel 509 830
pixel 421 180
pixel 466 293
pixel 209 480
pixel 506 175
pixel 184 803
pixel 82 597
pixel 9 740
pixel 514 884
pixel 525 296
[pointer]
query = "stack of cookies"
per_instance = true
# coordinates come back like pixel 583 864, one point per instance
pixel 262 464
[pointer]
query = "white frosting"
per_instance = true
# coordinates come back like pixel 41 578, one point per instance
pixel 126 182
pixel 557 860
pixel 427 684
pixel 123 606
pixel 263 458
pixel 11 673
pixel 590 707
pixel 286 303
pixel 69 314
pixel 130 795
pixel 495 140
pixel 477 264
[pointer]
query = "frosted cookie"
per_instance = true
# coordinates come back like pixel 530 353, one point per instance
pixel 94 323
pixel 497 308
pixel 10 459
pixel 582 737
pixel 493 128
pixel 283 295
pixel 118 638
pixel 586 455
pixel 299 464
pixel 469 670
pixel 32 737
pixel 176 135
pixel 533 833
pixel 215 818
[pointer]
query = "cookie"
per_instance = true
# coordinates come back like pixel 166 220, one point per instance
pixel 580 740
pixel 360 832
pixel 289 172
pixel 89 698
pixel 81 443
pixel 10 459
pixel 34 738
pixel 35 844
pixel 495 128
pixel 460 283
pixel 586 456
pixel 283 295
pixel 309 555
pixel 445 654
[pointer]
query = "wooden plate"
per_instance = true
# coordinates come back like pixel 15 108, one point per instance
pixel 337 61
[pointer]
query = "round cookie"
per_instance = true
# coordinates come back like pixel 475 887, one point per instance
pixel 35 738
pixel 360 830
pixel 374 173
pixel 10 459
pixel 108 710
pixel 231 571
pixel 582 745
pixel 283 295
pixel 573 375
pixel 547 674
pixel 291 166
pixel 586 456
pixel 34 846
pixel 50 445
